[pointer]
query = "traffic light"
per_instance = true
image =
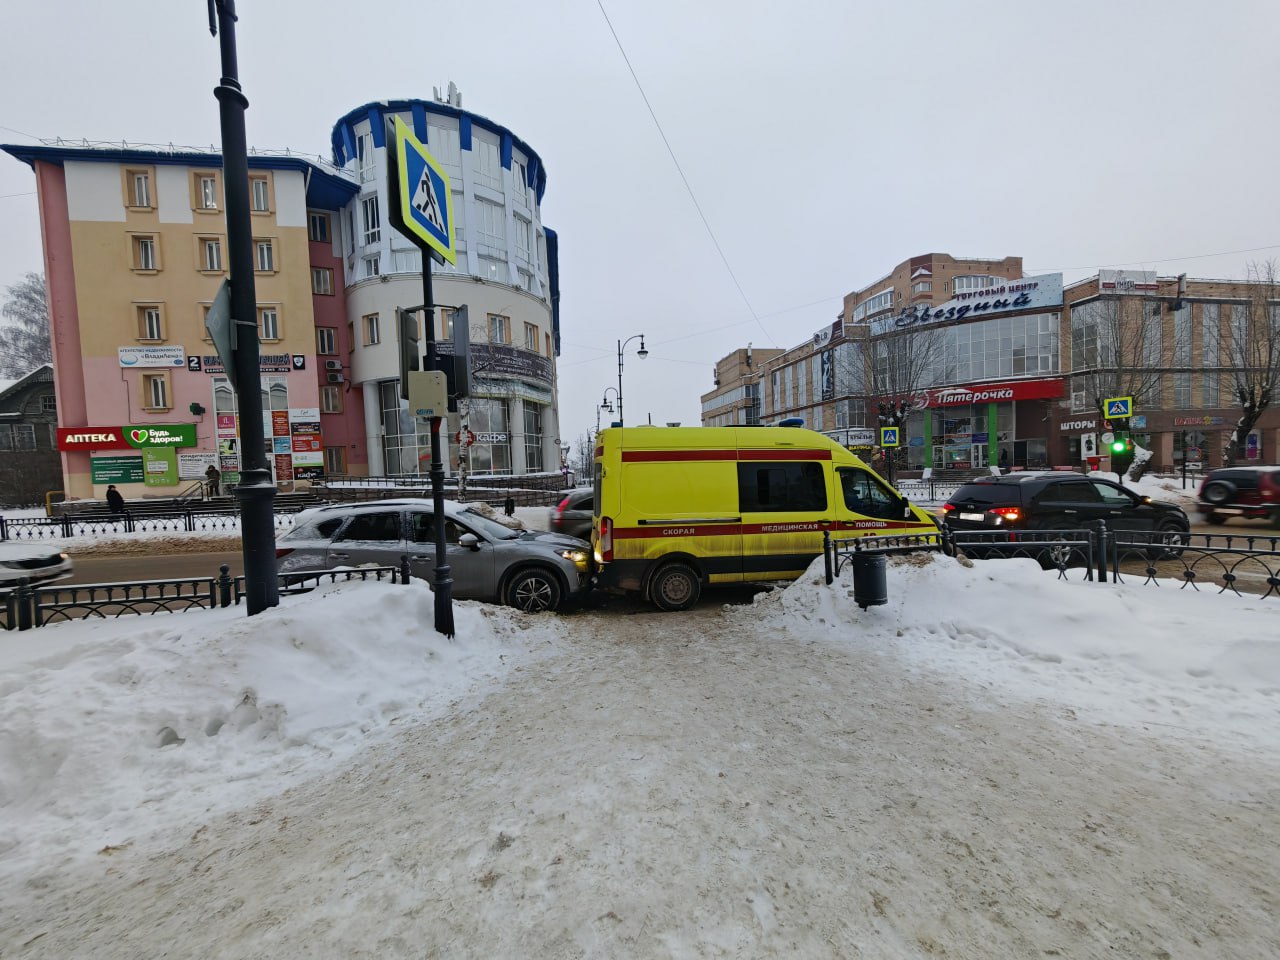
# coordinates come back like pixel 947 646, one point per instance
pixel 1121 443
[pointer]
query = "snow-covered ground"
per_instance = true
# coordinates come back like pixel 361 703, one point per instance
pixel 996 763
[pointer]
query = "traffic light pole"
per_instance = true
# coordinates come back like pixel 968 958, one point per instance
pixel 443 582
pixel 256 491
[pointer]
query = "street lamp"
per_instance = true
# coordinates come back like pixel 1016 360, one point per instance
pixel 605 405
pixel 641 353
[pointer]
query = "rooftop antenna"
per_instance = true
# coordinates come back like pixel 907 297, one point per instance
pixel 748 354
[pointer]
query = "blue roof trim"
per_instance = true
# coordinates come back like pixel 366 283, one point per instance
pixel 553 280
pixel 325 190
pixel 464 131
pixel 349 142
pixel 377 127
pixel 342 133
pixel 506 151
pixel 420 122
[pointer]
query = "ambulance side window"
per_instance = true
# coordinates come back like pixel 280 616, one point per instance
pixel 863 494
pixel 781 487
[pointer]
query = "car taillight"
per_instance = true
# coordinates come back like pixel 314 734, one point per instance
pixel 605 543
pixel 948 507
pixel 1008 513
pixel 560 509
pixel 283 552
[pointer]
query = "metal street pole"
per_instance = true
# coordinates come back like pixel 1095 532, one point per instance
pixel 255 491
pixel 442 585
pixel 641 353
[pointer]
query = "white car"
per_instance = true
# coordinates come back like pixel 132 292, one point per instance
pixel 36 562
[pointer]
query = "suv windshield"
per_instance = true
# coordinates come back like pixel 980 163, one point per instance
pixel 490 528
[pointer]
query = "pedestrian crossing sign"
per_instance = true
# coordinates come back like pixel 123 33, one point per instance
pixel 421 200
pixel 889 437
pixel 1119 408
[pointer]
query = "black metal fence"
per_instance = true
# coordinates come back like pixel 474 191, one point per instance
pixel 1241 564
pixel 24 606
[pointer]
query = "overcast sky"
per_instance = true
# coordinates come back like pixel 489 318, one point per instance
pixel 825 142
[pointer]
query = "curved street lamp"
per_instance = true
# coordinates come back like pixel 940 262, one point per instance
pixel 641 353
pixel 605 404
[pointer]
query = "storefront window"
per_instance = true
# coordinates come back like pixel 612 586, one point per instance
pixel 532 437
pixel 400 436
pixel 490 421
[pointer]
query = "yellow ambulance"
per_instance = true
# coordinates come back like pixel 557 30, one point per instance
pixel 677 508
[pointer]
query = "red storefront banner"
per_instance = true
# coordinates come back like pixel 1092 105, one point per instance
pixel 92 438
pixel 991 392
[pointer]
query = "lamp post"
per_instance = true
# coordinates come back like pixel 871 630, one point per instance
pixel 641 353
pixel 606 405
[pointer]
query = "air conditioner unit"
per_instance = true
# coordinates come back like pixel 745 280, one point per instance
pixel 336 378
pixel 333 365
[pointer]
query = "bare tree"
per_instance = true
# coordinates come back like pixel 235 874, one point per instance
pixel 1253 353
pixel 891 370
pixel 1117 351
pixel 24 333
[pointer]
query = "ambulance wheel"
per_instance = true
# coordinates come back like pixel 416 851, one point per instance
pixel 675 587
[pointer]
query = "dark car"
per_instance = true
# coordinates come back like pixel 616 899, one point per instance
pixel 530 570
pixel 1250 492
pixel 572 513
pixel 1063 501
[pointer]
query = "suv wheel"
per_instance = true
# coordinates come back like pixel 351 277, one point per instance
pixel 1218 492
pixel 1216 518
pixel 534 591
pixel 1168 542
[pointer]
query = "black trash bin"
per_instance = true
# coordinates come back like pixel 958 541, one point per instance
pixel 869 588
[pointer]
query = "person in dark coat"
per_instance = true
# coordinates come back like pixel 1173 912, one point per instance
pixel 115 501
pixel 213 478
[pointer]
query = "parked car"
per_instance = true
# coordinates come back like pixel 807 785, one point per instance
pixel 529 570
pixel 35 562
pixel 1250 492
pixel 1056 500
pixel 572 514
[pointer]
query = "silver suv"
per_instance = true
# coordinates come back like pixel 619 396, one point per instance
pixel 529 570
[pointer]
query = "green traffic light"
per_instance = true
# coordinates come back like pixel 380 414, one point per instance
pixel 1118 446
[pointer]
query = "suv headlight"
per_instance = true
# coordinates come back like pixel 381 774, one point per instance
pixel 577 557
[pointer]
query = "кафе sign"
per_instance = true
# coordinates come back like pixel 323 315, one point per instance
pixel 134 437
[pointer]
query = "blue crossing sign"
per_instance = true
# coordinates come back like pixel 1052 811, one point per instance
pixel 1119 408
pixel 889 437
pixel 421 200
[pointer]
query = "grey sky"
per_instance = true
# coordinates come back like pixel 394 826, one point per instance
pixel 825 141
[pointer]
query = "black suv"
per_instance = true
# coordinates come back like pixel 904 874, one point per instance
pixel 1249 492
pixel 1061 501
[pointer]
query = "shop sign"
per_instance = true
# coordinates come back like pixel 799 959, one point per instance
pixel 1126 281
pixel 489 359
pixel 192 466
pixel 989 392
pixel 1078 425
pixel 492 438
pixel 827 334
pixel 267 363
pixel 1198 421
pixel 160 464
pixel 152 356
pixel 133 437
pixel 1028 293
pixel 116 470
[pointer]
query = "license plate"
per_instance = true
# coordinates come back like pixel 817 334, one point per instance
pixel 979 517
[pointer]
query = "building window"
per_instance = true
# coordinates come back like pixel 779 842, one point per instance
pixel 446 323
pixel 490 227
pixel 446 146
pixel 322 281
pixel 149 325
pixel 372 333
pixel 372 221
pixel 519 183
pixel 211 255
pixel 206 191
pixel 349 244
pixel 268 323
pixel 499 328
pixel 330 399
pixel 24 436
pixel 318 227
pixel 1211 332
pixel 335 460
pixel 372 266
pixel 881 301
pixel 531 337
pixel 523 230
pixel 49 404
pixel 261 199
pixel 1181 391
pixel 155 391
pixel 144 254
pixel 493 269
pixel 327 341
pixel 978 282
pixel 139 188
pixel 488 165
pixel 264 255
pixel 351 337
pixel 922 286
pixel 364 153
pixel 532 438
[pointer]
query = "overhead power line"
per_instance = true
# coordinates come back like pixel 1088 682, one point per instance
pixel 697 206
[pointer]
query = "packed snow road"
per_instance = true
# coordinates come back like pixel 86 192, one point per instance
pixel 709 785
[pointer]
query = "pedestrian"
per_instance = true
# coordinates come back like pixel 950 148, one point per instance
pixel 115 501
pixel 213 480
pixel 1004 460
